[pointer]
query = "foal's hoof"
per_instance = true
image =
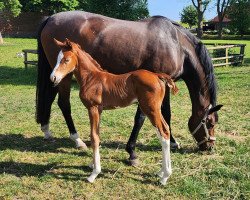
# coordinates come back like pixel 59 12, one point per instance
pixel 174 145
pixel 134 162
pixel 160 174
pixel 82 146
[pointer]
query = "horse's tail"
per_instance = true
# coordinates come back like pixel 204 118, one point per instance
pixel 44 87
pixel 169 81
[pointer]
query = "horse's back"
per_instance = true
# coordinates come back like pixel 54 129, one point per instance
pixel 119 46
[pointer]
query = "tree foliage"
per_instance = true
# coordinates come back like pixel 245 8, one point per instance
pixel 222 7
pixel 13 6
pixel 189 16
pixel 49 6
pixel 239 14
pixel 121 9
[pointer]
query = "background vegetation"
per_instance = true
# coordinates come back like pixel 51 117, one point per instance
pixel 31 168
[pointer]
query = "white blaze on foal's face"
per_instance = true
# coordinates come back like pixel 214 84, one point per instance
pixel 66 63
pixel 55 77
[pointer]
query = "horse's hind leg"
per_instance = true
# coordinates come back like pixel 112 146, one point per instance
pixel 166 112
pixel 64 105
pixel 45 121
pixel 130 147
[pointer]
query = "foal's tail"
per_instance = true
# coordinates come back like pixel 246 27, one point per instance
pixel 169 81
pixel 44 87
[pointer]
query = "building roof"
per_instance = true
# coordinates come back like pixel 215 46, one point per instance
pixel 216 19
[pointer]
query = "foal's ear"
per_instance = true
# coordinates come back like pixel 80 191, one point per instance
pixel 214 109
pixel 68 43
pixel 58 43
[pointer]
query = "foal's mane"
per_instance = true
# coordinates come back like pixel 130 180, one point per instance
pixel 90 58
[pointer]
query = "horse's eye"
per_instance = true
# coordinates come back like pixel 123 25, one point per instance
pixel 66 60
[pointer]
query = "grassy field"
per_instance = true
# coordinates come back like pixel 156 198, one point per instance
pixel 31 168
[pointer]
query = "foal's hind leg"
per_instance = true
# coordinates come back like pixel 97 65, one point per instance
pixel 94 116
pixel 154 114
pixel 64 105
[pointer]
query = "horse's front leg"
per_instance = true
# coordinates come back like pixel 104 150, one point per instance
pixel 94 116
pixel 130 147
pixel 64 105
pixel 166 112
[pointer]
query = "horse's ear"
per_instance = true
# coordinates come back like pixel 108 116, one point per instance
pixel 58 43
pixel 214 109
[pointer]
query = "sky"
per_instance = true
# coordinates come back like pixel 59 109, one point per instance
pixel 172 8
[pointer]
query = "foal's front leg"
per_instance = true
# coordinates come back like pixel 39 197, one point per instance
pixel 94 116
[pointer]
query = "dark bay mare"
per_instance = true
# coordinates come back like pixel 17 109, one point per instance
pixel 156 44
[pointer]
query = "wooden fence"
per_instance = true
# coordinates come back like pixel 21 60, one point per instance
pixel 228 58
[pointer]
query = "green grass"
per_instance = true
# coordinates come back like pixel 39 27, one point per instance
pixel 31 168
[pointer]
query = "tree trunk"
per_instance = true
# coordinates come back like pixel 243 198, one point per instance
pixel 220 27
pixel 1 38
pixel 200 25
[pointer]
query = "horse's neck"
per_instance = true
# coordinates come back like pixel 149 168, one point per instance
pixel 198 91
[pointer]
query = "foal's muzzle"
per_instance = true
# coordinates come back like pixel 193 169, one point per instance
pixel 54 79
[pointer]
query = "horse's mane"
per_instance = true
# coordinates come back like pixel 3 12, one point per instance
pixel 204 58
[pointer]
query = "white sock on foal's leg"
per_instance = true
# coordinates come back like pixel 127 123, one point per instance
pixel 166 169
pixel 79 143
pixel 97 166
pixel 47 133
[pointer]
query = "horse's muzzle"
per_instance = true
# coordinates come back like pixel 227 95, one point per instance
pixel 208 146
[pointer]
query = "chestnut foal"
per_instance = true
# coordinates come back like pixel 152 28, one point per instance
pixel 102 90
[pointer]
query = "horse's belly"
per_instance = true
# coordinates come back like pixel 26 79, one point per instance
pixel 113 103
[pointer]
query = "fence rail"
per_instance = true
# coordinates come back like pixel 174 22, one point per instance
pixel 235 58
pixel 230 59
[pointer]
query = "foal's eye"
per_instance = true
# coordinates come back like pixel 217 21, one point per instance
pixel 66 60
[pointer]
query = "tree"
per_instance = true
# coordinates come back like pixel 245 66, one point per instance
pixel 222 6
pixel 121 9
pixel 13 6
pixel 189 16
pixel 239 14
pixel 49 6
pixel 201 6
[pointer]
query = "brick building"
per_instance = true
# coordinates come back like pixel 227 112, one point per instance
pixel 25 25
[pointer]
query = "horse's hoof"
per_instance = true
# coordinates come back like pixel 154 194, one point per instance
pixel 49 139
pixel 174 146
pixel 134 162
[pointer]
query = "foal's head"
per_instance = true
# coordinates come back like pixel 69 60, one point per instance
pixel 66 61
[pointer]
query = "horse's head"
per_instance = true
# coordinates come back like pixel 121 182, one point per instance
pixel 202 127
pixel 66 60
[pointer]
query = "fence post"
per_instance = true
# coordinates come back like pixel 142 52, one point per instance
pixel 226 57
pixel 242 51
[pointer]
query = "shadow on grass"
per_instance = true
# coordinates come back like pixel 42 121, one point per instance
pixel 24 169
pixel 20 76
pixel 38 144
pixel 17 76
